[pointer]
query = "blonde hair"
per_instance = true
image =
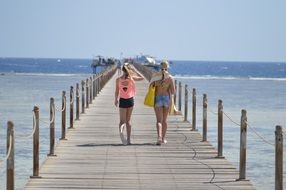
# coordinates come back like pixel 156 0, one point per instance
pixel 164 64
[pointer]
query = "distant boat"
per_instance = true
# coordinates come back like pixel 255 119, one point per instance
pixel 146 60
pixel 101 62
pixel 58 60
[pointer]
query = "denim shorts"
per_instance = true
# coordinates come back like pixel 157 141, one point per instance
pixel 162 101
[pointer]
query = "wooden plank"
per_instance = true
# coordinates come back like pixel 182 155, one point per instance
pixel 93 156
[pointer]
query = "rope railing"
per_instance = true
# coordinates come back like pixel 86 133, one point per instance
pixel 61 109
pixel 234 122
pixel 31 135
pixel 9 150
pixel 260 136
pixel 78 92
pixel 243 125
pixel 96 83
pixel 72 99
pixel 52 119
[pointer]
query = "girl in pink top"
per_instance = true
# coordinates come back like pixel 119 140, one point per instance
pixel 124 95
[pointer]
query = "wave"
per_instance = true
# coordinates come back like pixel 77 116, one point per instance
pixel 209 77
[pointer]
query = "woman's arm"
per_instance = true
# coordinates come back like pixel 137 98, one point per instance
pixel 172 86
pixel 116 92
pixel 138 78
pixel 135 75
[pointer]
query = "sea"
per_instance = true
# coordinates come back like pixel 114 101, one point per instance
pixel 257 87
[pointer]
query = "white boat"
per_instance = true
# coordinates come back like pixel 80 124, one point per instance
pixel 146 60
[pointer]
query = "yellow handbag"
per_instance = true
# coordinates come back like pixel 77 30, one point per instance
pixel 150 96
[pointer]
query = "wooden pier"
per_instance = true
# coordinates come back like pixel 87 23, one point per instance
pixel 93 156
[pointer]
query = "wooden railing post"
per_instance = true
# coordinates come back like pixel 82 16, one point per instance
pixel 194 115
pixel 186 103
pixel 82 96
pixel 10 160
pixel 175 95
pixel 77 102
pixel 99 82
pixel 91 89
pixel 52 127
pixel 205 117
pixel 220 130
pixel 64 109
pixel 87 93
pixel 36 141
pixel 278 158
pixel 180 96
pixel 94 86
pixel 71 106
pixel 243 137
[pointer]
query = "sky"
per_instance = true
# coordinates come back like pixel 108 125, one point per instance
pixel 217 30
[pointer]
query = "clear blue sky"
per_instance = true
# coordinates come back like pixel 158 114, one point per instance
pixel 238 30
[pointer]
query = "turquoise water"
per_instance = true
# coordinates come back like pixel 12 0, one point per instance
pixel 260 88
pixel 19 93
pixel 265 103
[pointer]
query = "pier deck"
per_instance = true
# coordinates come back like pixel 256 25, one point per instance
pixel 93 157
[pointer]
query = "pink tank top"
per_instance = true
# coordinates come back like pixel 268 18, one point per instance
pixel 126 88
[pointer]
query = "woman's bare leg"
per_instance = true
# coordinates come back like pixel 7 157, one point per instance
pixel 159 118
pixel 122 114
pixel 128 123
pixel 164 122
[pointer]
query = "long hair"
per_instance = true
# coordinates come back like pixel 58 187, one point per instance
pixel 126 71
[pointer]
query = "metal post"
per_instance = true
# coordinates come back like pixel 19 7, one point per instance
pixel 64 109
pixel 205 122
pixel 77 102
pixel 36 143
pixel 71 106
pixel 52 127
pixel 186 103
pixel 10 160
pixel 278 158
pixel 220 129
